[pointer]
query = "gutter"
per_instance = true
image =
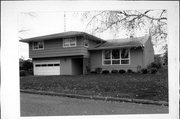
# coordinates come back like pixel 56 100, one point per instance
pixel 125 46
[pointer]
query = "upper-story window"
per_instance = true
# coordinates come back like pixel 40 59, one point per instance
pixel 69 42
pixel 86 43
pixel 38 45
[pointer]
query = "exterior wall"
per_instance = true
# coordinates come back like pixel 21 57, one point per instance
pixel 86 65
pixel 54 48
pixel 84 49
pixel 148 53
pixel 66 66
pixel 136 59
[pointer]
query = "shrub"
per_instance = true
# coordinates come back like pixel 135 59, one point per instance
pixel 122 71
pixel 114 71
pixel 98 70
pixel 153 70
pixel 129 71
pixel 138 69
pixel 156 65
pixel 93 72
pixel 144 71
pixel 105 72
pixel 30 72
pixel 22 73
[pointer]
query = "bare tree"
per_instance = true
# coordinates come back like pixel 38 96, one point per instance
pixel 153 22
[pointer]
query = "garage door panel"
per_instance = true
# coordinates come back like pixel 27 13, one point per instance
pixel 47 68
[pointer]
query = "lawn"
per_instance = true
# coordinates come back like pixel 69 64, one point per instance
pixel 138 86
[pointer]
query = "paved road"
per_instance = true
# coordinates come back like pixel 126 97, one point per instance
pixel 41 105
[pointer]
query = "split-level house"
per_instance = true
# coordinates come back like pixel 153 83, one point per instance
pixel 73 53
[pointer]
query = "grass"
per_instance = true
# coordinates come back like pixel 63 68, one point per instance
pixel 139 86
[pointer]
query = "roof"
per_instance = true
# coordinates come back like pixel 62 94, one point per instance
pixel 122 43
pixel 62 35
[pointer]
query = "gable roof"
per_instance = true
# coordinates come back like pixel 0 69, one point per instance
pixel 122 43
pixel 62 35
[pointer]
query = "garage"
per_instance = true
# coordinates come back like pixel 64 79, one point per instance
pixel 47 68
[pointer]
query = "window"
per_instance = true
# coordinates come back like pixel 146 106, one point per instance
pixel 66 43
pixel 73 42
pixel 124 56
pixel 38 45
pixel 107 57
pixel 50 64
pixel 56 64
pixel 38 65
pixel 69 42
pixel 45 65
pixel 113 57
pixel 86 43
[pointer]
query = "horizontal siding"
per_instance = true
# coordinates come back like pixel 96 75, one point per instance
pixel 136 59
pixel 55 48
pixel 85 50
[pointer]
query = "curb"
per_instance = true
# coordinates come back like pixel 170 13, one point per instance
pixel 140 101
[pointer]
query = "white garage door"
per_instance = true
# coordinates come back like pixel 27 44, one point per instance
pixel 47 68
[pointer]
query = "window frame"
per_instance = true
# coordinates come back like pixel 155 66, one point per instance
pixel 110 59
pixel 86 42
pixel 46 64
pixel 69 42
pixel 120 58
pixel 125 58
pixel 33 47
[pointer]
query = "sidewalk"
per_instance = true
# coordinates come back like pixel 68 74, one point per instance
pixel 141 101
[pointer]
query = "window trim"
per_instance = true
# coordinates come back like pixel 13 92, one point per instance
pixel 38 48
pixel 69 42
pixel 120 59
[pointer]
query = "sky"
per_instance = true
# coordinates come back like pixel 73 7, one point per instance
pixel 32 24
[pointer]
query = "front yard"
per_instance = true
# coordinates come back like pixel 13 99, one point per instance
pixel 139 86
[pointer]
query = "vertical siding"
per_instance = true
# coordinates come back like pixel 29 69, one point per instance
pixel 136 59
pixel 66 66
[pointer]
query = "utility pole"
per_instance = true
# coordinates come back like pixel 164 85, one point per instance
pixel 64 21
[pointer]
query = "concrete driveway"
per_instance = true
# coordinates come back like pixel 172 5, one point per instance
pixel 41 105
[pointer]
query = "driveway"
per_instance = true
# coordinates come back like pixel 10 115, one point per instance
pixel 42 105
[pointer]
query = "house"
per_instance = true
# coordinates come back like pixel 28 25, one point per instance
pixel 73 53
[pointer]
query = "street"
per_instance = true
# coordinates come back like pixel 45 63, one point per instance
pixel 42 105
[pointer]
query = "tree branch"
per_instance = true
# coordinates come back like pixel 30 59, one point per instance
pixel 93 18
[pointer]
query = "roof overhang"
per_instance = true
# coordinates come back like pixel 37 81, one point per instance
pixel 62 35
pixel 125 46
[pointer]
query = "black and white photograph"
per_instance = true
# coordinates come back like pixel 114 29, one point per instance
pixel 78 60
